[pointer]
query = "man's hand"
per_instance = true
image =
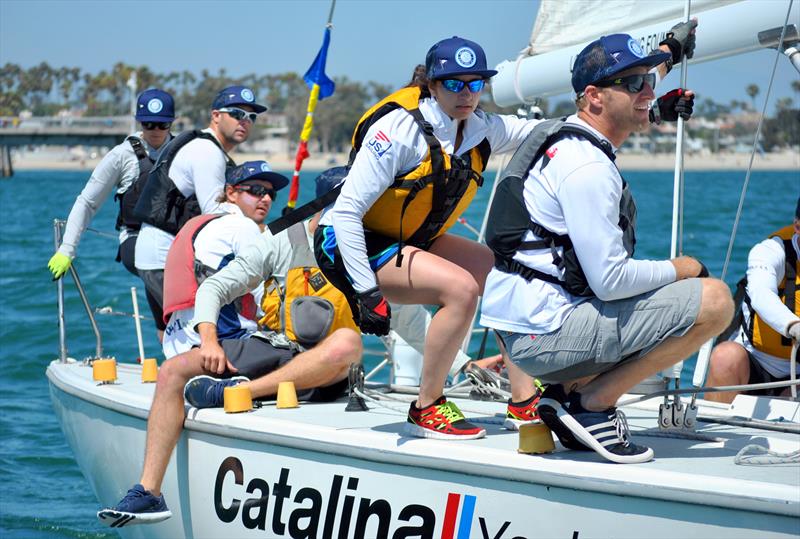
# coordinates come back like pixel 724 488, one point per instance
pixel 373 312
pixel 668 107
pixel 58 265
pixel 681 40
pixel 211 353
pixel 687 267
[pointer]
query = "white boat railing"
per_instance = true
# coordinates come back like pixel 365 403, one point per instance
pixel 58 230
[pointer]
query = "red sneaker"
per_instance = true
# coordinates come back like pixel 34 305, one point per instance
pixel 519 413
pixel 442 420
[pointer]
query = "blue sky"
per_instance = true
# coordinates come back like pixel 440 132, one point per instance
pixel 377 40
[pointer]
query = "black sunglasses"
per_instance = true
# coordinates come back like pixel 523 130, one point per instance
pixel 149 126
pixel 257 190
pixel 632 83
pixel 239 114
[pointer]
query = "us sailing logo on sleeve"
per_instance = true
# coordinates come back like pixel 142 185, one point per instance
pixel 379 144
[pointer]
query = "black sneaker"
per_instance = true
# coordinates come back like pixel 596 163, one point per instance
pixel 552 400
pixel 605 432
pixel 139 506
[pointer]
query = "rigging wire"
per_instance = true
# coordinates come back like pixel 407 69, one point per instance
pixel 755 144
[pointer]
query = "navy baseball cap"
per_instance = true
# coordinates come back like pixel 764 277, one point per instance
pixel 329 179
pixel 256 170
pixel 456 56
pixel 237 95
pixel 605 57
pixel 154 105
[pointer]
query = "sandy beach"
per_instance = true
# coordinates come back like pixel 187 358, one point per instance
pixel 789 160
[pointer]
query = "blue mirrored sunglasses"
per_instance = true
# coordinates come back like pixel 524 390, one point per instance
pixel 632 83
pixel 455 85
pixel 239 114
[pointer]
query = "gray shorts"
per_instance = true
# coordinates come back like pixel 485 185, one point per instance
pixel 598 335
pixel 255 357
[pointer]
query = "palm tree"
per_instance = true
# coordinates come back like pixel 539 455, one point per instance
pixel 796 88
pixel 752 90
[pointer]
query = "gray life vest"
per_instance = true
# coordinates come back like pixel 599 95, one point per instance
pixel 509 219
pixel 128 198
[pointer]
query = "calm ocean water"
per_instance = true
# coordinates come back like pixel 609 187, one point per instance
pixel 43 493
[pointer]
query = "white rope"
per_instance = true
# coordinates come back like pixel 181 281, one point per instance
pixel 758 455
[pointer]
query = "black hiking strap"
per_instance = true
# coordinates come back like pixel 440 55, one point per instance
pixel 738 317
pixel 305 211
pixel 138 149
pixel 509 265
pixel 437 176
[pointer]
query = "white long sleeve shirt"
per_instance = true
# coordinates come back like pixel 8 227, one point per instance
pixel 197 169
pixel 375 169
pixel 577 193
pixel 766 268
pixel 118 169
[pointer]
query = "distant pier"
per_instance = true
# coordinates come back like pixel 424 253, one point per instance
pixel 57 131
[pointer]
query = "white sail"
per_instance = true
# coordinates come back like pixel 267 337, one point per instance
pixel 543 68
pixel 562 23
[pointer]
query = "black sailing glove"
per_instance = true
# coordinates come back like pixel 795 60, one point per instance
pixel 373 312
pixel 671 105
pixel 681 41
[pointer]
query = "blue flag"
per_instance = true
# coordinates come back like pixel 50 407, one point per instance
pixel 316 73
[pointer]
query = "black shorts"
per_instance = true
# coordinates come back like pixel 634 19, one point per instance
pixel 380 250
pixel 154 290
pixel 255 357
pixel 759 375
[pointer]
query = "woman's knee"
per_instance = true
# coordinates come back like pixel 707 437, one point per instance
pixel 462 291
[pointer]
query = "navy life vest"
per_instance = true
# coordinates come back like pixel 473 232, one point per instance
pixel 509 219
pixel 127 200
pixel 161 203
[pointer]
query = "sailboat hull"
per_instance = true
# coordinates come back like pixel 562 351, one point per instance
pixel 267 474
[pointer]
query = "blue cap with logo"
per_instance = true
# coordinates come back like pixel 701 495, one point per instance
pixel 154 105
pixel 456 56
pixel 329 179
pixel 255 170
pixel 605 57
pixel 237 95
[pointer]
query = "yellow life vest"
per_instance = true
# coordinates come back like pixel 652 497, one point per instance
pixel 309 308
pixel 761 335
pixel 424 203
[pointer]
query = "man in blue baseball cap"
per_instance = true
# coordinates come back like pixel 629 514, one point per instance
pixel 188 180
pixel 569 303
pixel 123 171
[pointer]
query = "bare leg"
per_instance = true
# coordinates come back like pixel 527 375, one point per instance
pixel 522 385
pixel 729 366
pixel 716 310
pixel 451 275
pixel 326 363
pixel 165 422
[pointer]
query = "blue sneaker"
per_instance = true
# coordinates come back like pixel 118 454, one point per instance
pixel 605 432
pixel 207 392
pixel 138 506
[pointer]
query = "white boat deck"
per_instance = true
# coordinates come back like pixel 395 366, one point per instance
pixel 684 470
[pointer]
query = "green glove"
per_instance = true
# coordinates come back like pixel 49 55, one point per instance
pixel 58 265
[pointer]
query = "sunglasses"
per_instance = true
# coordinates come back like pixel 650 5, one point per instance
pixel 455 85
pixel 632 83
pixel 239 114
pixel 149 126
pixel 257 190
